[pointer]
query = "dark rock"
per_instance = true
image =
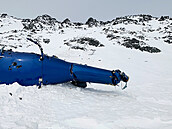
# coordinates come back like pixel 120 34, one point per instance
pixel 124 20
pixel 4 15
pixel 166 17
pixel 130 19
pixel 106 30
pixel 115 31
pixel 62 31
pixel 78 23
pixel 167 39
pixel 33 30
pixel 107 22
pixel 78 47
pixel 132 33
pixel 66 21
pixel 162 18
pixel 14 31
pixel 37 23
pixel 91 22
pixel 46 41
pixel 141 37
pixel 102 23
pixel 115 23
pixel 84 40
pixel 111 36
pixel 90 41
pixel 150 49
pixel 136 44
pixel 45 19
pixel 26 20
pixel 143 17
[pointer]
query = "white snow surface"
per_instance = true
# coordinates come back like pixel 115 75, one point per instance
pixel 145 104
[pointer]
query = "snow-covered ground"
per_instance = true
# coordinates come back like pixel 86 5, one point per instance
pixel 145 104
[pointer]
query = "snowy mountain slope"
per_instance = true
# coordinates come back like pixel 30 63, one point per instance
pixel 146 103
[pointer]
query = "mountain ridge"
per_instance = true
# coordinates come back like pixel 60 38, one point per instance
pixel 116 30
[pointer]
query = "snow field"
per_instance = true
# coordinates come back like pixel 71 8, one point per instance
pixel 145 104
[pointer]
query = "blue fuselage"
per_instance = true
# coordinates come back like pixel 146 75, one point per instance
pixel 30 69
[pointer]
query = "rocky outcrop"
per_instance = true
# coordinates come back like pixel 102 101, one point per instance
pixel 39 22
pixel 168 39
pixel 3 15
pixel 162 18
pixel 66 21
pixel 140 45
pixel 136 36
pixel 92 22
pixel 77 43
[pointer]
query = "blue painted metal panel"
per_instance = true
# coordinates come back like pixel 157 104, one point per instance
pixel 55 71
pixel 24 68
pixel 32 69
pixel 86 73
